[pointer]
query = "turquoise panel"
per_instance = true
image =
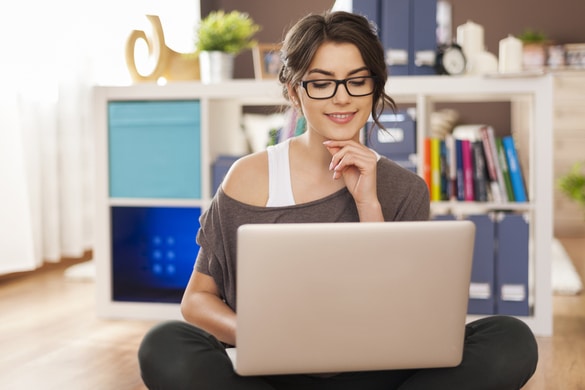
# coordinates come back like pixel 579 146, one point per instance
pixel 155 149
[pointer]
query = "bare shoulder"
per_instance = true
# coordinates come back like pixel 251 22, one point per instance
pixel 247 179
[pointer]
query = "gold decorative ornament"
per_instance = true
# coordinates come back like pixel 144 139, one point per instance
pixel 171 65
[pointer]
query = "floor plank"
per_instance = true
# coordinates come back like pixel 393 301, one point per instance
pixel 49 328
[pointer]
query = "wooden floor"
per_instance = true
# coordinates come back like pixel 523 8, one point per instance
pixel 50 337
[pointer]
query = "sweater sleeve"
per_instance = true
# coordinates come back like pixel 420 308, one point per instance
pixel 403 194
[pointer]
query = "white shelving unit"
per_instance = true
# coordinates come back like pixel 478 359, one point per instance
pixel 221 110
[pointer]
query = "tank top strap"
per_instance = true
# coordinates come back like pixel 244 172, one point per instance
pixel 279 184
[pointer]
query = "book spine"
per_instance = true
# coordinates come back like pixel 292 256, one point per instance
pixel 444 161
pixel 490 154
pixel 435 169
pixel 479 172
pixel 467 170
pixel 452 166
pixel 504 169
pixel 426 162
pixel 516 176
pixel 499 174
pixel 460 180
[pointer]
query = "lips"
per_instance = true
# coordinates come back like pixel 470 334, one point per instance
pixel 341 118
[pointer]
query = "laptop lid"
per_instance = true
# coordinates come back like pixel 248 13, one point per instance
pixel 333 297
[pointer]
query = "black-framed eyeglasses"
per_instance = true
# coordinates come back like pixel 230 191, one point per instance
pixel 327 88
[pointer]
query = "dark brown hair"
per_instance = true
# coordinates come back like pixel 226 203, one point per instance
pixel 309 33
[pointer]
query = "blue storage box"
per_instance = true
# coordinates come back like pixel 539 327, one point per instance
pixel 221 166
pixel 397 141
pixel 154 149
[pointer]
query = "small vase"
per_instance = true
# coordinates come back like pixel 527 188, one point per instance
pixel 216 66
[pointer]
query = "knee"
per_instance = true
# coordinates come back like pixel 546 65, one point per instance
pixel 156 342
pixel 160 355
pixel 511 348
pixel 519 335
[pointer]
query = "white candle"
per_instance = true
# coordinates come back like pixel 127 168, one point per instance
pixel 510 55
pixel 470 38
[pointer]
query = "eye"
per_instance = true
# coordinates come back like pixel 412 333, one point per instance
pixel 321 84
pixel 357 82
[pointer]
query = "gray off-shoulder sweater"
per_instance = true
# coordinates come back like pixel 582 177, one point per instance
pixel 403 195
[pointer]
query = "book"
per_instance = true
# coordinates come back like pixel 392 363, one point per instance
pixel 451 166
pixel 515 169
pixel 492 165
pixel 504 170
pixel 426 162
pixel 435 169
pixel 444 169
pixel 466 154
pixel 460 181
pixel 480 180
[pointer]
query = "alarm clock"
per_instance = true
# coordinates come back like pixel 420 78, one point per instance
pixel 450 60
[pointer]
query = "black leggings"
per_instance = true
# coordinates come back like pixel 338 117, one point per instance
pixel 500 353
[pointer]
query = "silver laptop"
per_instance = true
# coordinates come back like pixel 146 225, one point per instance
pixel 333 297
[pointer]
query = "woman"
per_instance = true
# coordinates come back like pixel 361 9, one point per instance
pixel 334 73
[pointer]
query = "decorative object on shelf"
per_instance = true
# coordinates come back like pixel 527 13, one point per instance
pixel 534 49
pixel 470 36
pixel 575 55
pixel 572 184
pixel 267 61
pixel 171 65
pixel 510 55
pixel 556 56
pixel 450 60
pixel 220 37
pixel 479 61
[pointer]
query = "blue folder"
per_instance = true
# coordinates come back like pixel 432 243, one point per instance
pixel 481 290
pixel 482 287
pixel 395 35
pixel 409 35
pixel 370 9
pixel 423 40
pixel 512 234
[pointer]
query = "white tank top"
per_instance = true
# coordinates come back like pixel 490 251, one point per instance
pixel 279 185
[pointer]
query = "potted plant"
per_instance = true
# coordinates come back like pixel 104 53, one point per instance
pixel 534 49
pixel 220 37
pixel 572 184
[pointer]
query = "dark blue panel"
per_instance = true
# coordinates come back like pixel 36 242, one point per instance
pixel 153 252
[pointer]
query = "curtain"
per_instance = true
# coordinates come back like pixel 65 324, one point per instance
pixel 53 54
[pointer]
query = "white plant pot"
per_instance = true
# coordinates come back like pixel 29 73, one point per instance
pixel 216 66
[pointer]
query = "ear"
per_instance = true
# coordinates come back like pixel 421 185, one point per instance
pixel 293 96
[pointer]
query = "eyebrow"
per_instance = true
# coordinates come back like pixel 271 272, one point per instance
pixel 327 73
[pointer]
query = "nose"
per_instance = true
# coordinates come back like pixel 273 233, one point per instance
pixel 341 95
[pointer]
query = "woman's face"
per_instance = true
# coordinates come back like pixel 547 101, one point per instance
pixel 340 117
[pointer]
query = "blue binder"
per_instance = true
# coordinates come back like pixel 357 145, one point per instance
pixel 397 140
pixel 409 36
pixel 481 290
pixel 423 45
pixel 395 35
pixel 512 234
pixel 370 9
pixel 221 166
